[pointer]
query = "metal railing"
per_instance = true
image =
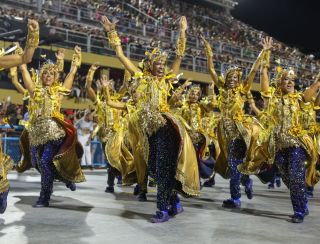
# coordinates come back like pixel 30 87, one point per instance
pixel 10 146
pixel 99 45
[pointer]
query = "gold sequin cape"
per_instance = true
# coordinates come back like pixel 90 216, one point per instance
pixel 152 109
pixel 200 123
pixel 6 164
pixel 113 131
pixel 67 160
pixel 289 122
pixel 233 124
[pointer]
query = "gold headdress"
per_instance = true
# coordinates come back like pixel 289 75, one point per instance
pixel 195 88
pixel 51 67
pixel 155 55
pixel 232 70
pixel 283 73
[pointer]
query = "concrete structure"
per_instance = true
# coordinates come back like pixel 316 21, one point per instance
pixel 91 216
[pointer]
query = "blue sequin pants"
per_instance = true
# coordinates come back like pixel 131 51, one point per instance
pixel 291 164
pixel 236 153
pixel 162 165
pixel 42 156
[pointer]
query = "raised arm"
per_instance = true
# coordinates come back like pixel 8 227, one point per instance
pixel 113 104
pixel 176 97
pixel 317 101
pixel 27 80
pixel 312 90
pixel 181 45
pixel 91 93
pixel 15 82
pixel 60 59
pixel 254 69
pixel 267 44
pixel 31 44
pixel 210 64
pixel 115 43
pixel 252 104
pixel 76 62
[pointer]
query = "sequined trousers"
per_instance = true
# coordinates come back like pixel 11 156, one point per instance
pixel 162 165
pixel 42 157
pixel 236 154
pixel 291 164
pixel 3 201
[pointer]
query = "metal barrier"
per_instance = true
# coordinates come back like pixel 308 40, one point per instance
pixel 10 146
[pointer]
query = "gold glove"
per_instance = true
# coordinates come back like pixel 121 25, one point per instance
pixel 114 39
pixel 76 59
pixel 181 46
pixel 266 59
pixel 33 38
pixel 208 49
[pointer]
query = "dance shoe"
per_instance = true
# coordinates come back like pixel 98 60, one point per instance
pixel 248 188
pixel 175 209
pixel 109 189
pixel 231 203
pixel 72 186
pixel 278 181
pixel 271 186
pixel 142 197
pixel 160 217
pixel 297 219
pixel 3 201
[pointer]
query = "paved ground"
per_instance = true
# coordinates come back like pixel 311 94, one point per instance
pixel 91 216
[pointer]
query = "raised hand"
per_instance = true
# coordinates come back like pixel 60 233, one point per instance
pixel 187 83
pixel 107 24
pixel 33 25
pixel 60 53
pixel 77 50
pixel 95 66
pixel 183 23
pixel 267 43
pixel 104 81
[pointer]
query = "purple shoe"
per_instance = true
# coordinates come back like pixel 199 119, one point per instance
pixel 72 186
pixel 175 210
pixel 3 201
pixel 41 203
pixel 297 218
pixel 278 181
pixel 160 217
pixel 248 188
pixel 109 189
pixel 231 203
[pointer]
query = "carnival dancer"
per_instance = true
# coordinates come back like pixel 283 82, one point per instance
pixel 110 130
pixel 167 146
pixel 237 132
pixel 193 110
pixel 48 143
pixel 290 144
pixel 132 136
pixel 7 62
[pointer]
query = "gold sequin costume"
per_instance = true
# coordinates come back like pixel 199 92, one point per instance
pixel 6 164
pixel 153 112
pixel 200 121
pixel 234 123
pixel 46 124
pixel 291 123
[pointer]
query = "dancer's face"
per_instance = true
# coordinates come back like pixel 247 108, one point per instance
pixel 135 96
pixel 158 68
pixel 194 96
pixel 287 85
pixel 89 117
pixel 47 77
pixel 232 80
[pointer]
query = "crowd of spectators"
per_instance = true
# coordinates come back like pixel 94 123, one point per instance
pixel 215 23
